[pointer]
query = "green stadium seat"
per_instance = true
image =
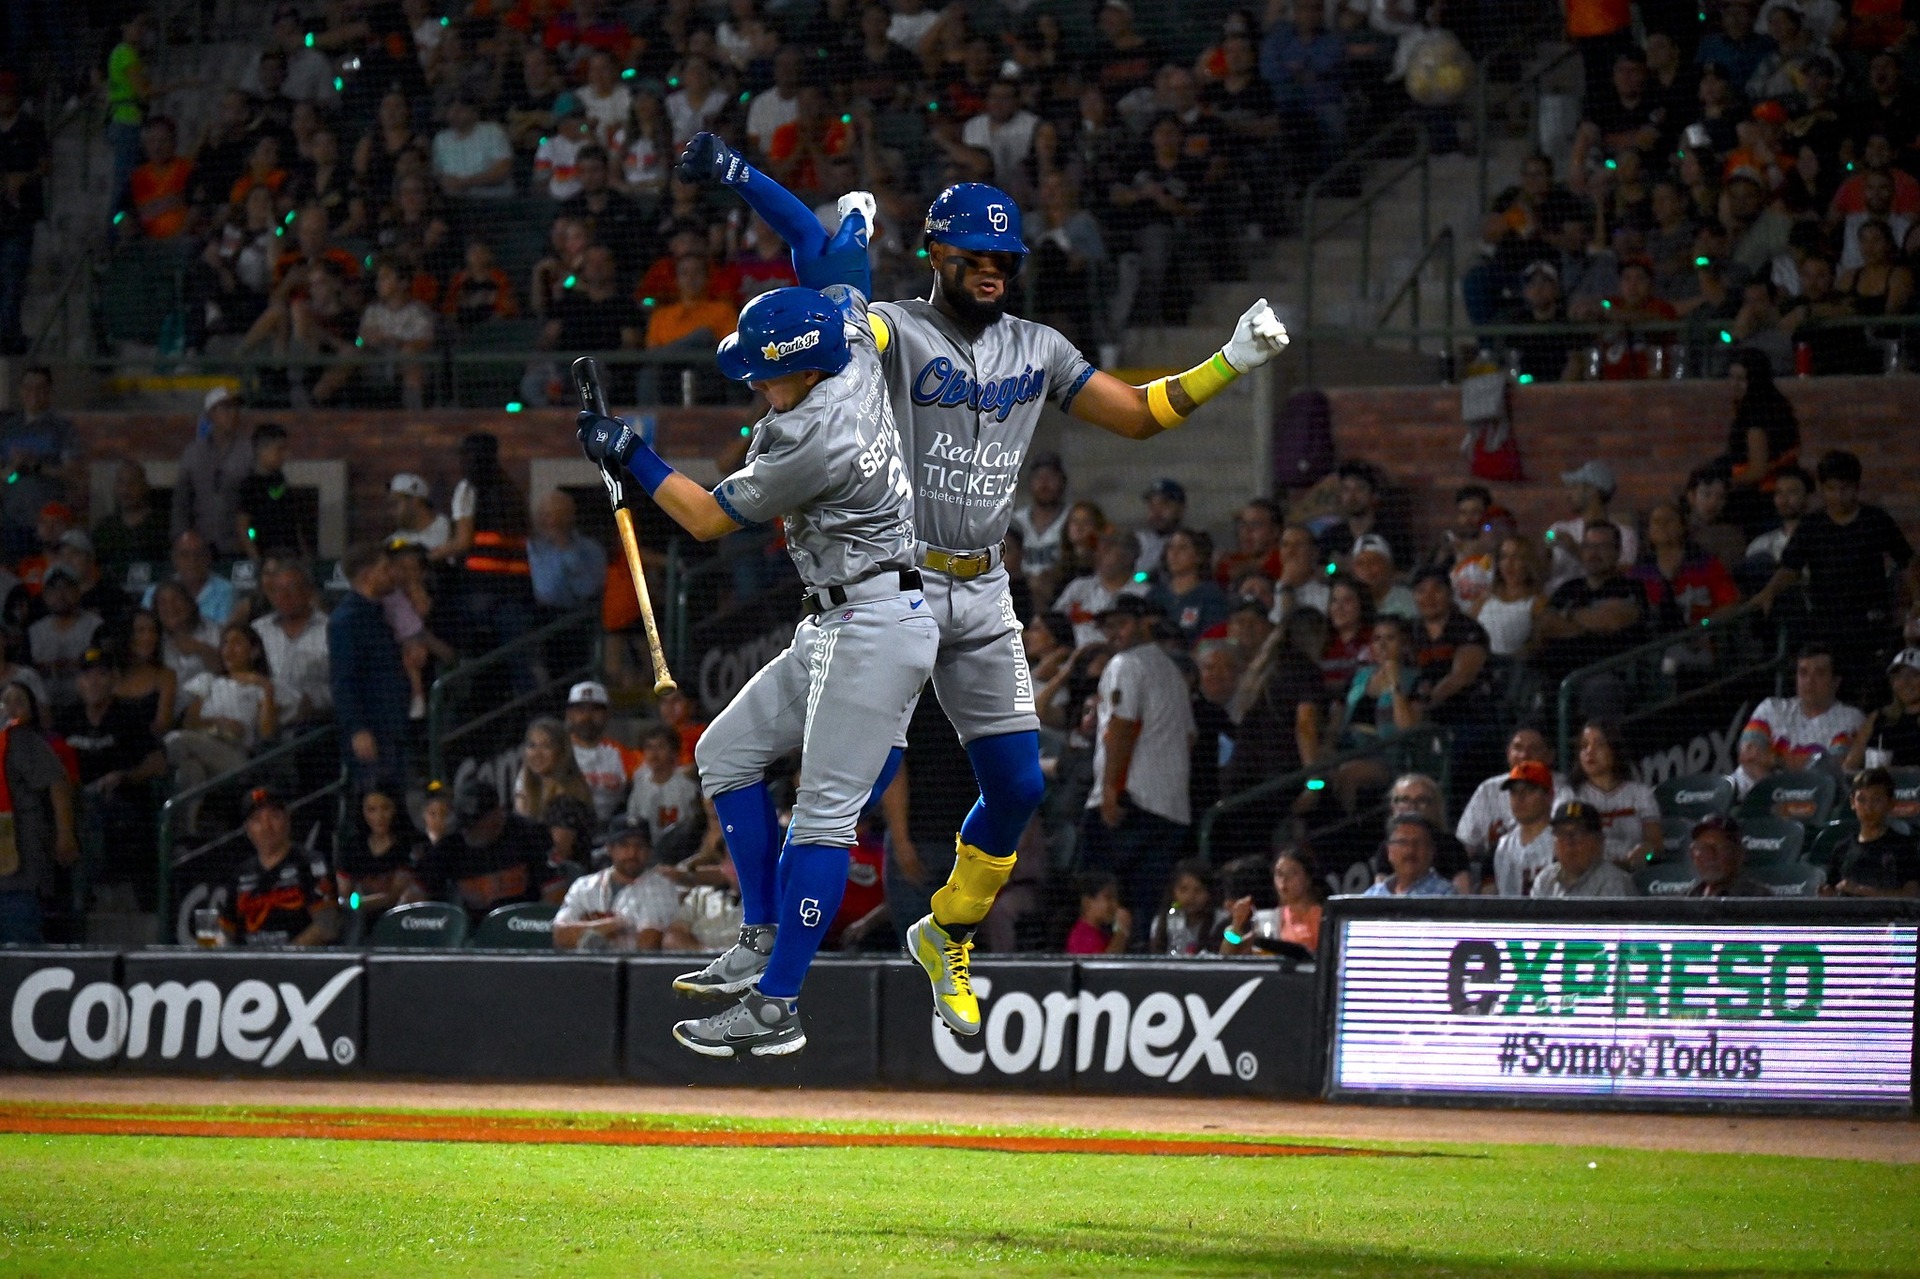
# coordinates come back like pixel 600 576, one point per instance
pixel 1675 834
pixel 1664 879
pixel 1802 796
pixel 1906 794
pixel 521 926
pixel 421 926
pixel 1800 880
pixel 1827 838
pixel 1772 841
pixel 1695 796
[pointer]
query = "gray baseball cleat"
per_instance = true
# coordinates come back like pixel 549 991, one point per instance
pixel 758 1024
pixel 735 968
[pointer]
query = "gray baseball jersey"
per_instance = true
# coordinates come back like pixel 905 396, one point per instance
pixel 842 691
pixel 831 466
pixel 967 408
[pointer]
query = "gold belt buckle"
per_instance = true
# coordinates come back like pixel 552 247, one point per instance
pixel 971 565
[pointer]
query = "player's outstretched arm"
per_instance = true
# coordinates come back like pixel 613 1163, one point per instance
pixel 612 439
pixel 1140 412
pixel 817 261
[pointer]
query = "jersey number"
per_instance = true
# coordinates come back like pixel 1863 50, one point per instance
pixel 897 476
pixel 997 217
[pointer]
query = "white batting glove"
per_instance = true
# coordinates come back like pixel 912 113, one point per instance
pixel 863 202
pixel 1256 339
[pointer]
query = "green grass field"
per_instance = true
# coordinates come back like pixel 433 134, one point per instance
pixel 159 1206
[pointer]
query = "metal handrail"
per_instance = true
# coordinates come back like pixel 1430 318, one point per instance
pixel 1429 737
pixel 1441 243
pixel 1747 616
pixel 176 804
pixel 439 732
pixel 82 264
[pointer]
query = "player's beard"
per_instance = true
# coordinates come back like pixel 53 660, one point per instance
pixel 969 310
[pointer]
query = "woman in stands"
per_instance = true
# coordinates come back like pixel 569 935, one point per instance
pixel 1629 815
pixel 1763 441
pixel 141 676
pixel 1350 619
pixel 1079 544
pixel 547 770
pixel 1514 601
pixel 1187 592
pixel 1295 920
pixel 226 716
pixel 189 643
pixel 1894 729
pixel 376 159
pixel 374 865
pixel 1685 585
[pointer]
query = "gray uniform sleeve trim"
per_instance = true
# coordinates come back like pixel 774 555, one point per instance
pixel 1066 400
pixel 720 496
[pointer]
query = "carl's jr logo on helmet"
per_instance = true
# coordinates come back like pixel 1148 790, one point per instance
pixel 792 346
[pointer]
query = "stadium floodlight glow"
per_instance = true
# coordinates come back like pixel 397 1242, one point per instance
pixel 514 406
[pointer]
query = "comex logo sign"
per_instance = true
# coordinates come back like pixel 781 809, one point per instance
pixel 241 1021
pixel 1022 1033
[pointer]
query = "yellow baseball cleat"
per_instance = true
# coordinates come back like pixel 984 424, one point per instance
pixel 947 962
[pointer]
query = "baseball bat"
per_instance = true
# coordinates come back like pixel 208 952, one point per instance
pixel 586 378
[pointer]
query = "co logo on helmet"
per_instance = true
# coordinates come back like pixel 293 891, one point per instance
pixel 997 217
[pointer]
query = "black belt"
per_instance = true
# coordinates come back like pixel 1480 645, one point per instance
pixel 837 595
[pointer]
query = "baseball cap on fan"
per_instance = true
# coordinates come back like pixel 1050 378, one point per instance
pixel 1529 772
pixel 1595 475
pixel 407 484
pixel 588 693
pixel 1908 658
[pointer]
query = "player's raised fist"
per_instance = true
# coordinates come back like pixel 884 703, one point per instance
pixel 606 439
pixel 1256 339
pixel 708 159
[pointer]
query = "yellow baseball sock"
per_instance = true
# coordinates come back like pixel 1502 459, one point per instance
pixel 968 894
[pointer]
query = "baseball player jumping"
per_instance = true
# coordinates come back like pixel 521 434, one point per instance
pixel 968 382
pixel 827 458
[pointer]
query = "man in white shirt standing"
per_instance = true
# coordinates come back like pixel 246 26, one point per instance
pixel 627 906
pixel 664 794
pixel 778 105
pixel 294 636
pixel 1005 132
pixel 1814 722
pixel 605 763
pixel 1139 812
pixel 410 504
pixel 1044 518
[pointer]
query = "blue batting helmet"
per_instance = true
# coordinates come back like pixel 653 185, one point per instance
pixel 975 216
pixel 785 331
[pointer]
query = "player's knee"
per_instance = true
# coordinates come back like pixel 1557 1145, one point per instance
pixel 1008 770
pixel 1026 787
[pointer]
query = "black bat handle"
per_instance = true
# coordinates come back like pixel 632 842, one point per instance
pixel 586 378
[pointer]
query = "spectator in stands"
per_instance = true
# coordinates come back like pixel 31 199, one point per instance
pixel 548 770
pixel 1450 653
pixel 694 323
pixel 1580 867
pixel 627 906
pixel 1545 357
pixel 594 315
pixel 1153 213
pixel 1191 923
pixel 366 672
pixel 1813 724
pixel 1707 524
pixel 1080 538
pixel 697 103
pixel 665 795
pixel 472 158
pixel 43 455
pixel 1488 813
pixel 1736 48
pixel 1685 584
pixel 1257 543
pixel 140 676
pixel 99 596
pixel 1042 521
pixel 58 640
pixel 1186 591
pixel 1470 505
pixel 604 764
pixel 1410 851
pixel 1166 501
pixel 479 292
pixel 1004 130
pixel 295 639
pixel 1350 618
pixel 1473 568
pixel 1792 495
pixel 158 189
pixel 1893 732
pixel 263 169
pixel 211 470
pixel 1279 709
pixel 1085 599
pixel 226 717
pixel 277 897
pixel 266 518
pixel 1070 253
pixel 1590 490
pixel 1372 563
pixel 190 642
pixel 1603 781
pixel 1757 230
pixel 1525 845
pixel 568 570
pixel 556 161
pixel 112 739
pixel 1304 64
pixel 1592 617
pixel 1877 205
pixel 1764 440
pixel 489 543
pixel 1138 815
pixel 1104 927
pixel 610 217
pixel 133 532
pixel 1877 861
pixel 1720 860
pixel 1360 487
pixel 1848 552
pixel 1514 601
pixel 397 325
pixel 373 872
pixel 495 858
pixel 415 522
pixel 779 103
pixel 1295 919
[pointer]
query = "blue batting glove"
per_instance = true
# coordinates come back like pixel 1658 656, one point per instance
pixel 708 159
pixel 607 439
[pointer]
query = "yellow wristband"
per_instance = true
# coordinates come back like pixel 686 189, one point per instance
pixel 1160 406
pixel 1204 381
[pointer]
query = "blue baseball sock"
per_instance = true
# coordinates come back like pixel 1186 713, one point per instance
pixel 752 832
pixel 814 876
pixel 888 771
pixel 1007 767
